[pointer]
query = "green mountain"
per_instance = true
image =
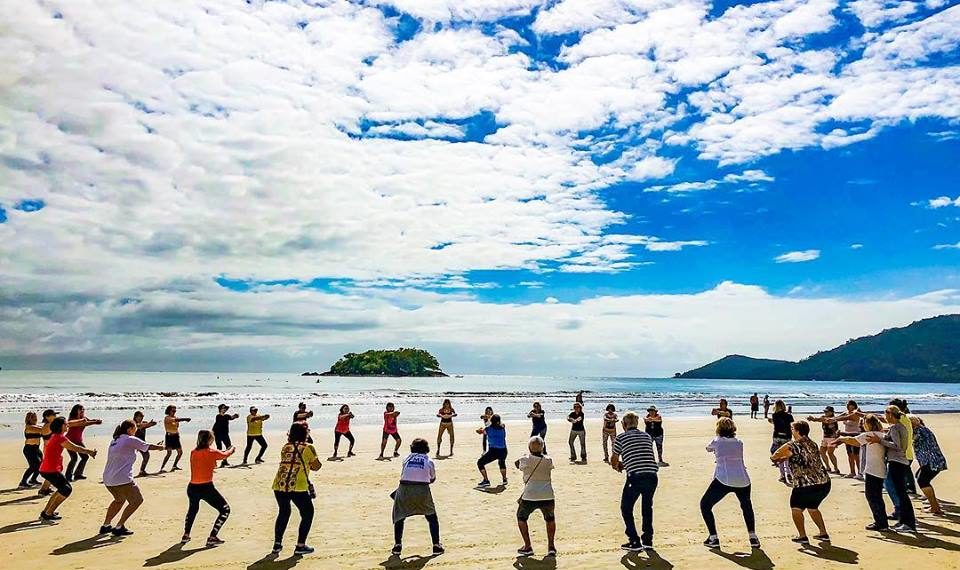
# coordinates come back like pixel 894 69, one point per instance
pixel 924 351
pixel 400 362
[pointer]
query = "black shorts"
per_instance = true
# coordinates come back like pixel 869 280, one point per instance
pixel 395 436
pixel 172 441
pixel 925 475
pixel 59 482
pixel 526 509
pixel 809 497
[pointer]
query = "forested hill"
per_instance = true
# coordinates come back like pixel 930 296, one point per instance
pixel 925 351
pixel 399 362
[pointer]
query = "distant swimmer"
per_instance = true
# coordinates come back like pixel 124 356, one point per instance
pixel 171 437
pixel 255 434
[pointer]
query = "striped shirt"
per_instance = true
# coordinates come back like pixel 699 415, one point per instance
pixel 635 449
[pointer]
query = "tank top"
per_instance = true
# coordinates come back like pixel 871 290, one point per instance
pixel 343 424
pixel 389 422
pixel 75 434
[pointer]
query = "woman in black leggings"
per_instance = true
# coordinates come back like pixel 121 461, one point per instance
pixel 730 476
pixel 203 460
pixel 32 434
pixel 292 485
pixel 496 451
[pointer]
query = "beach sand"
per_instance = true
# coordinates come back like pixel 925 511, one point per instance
pixel 352 527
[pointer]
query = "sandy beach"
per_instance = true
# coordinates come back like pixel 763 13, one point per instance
pixel 352 528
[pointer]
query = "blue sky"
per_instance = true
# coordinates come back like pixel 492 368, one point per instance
pixel 563 186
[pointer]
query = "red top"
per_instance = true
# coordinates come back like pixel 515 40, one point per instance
pixel 203 462
pixel 389 422
pixel 53 454
pixel 75 434
pixel 343 424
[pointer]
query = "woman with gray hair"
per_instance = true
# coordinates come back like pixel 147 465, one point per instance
pixel 537 495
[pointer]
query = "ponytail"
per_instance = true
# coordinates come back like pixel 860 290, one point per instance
pixel 124 426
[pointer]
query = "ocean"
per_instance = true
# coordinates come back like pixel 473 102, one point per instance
pixel 113 396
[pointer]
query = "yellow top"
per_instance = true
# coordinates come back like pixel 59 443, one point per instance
pixel 905 421
pixel 254 426
pixel 294 465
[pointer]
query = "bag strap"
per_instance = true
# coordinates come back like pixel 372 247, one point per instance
pixel 532 471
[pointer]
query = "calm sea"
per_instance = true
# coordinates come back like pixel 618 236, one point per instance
pixel 113 396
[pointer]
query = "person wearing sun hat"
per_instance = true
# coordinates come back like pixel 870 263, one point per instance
pixel 653 425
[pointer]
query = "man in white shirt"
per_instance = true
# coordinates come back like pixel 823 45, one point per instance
pixel 537 495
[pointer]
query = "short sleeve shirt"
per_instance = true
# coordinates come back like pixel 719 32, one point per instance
pixel 536 473
pixel 202 464
pixel 418 468
pixel 53 454
pixel 121 454
pixel 295 462
pixel 635 449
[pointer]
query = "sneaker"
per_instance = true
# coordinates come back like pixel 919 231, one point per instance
pixel 552 552
pixel 105 529
pixel 800 540
pixel 301 550
pixel 663 464
pixel 214 541
pixel 822 537
pixel 645 546
pixel 397 549
pixel 438 548
pixel 504 484
pixel 45 492
pixel 903 528
pixel 352 454
pixel 712 542
pixel 573 459
pixel 79 477
pixel 121 531
pixel 258 461
pixel 483 484
pixel 876 527
pixel 632 546
pixel 46 517
pixel 859 477
pixel 606 460
pixel 396 454
pixel 525 551
pixel 754 542
pixel 893 517
pixel 277 547
pixel 185 539
pixel 142 474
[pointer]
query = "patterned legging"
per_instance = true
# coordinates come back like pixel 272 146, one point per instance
pixel 207 493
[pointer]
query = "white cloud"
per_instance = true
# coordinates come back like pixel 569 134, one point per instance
pixel 947 246
pixel 856 246
pixel 798 256
pixel 943 202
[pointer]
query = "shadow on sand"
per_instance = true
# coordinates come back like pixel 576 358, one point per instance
pixel 175 553
pixel 492 490
pixel 918 541
pixel 415 562
pixel 828 551
pixel 531 563
pixel 757 559
pixel 25 525
pixel 92 543
pixel 651 560
pixel 27 499
pixel 273 562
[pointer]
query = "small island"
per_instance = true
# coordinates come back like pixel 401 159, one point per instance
pixel 401 362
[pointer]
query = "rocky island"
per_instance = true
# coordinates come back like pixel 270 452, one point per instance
pixel 401 362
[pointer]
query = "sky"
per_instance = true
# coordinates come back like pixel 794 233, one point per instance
pixel 584 187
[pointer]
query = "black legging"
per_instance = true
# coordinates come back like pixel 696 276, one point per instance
pixel 498 454
pixel 222 438
pixel 336 439
pixel 77 462
pixel 34 458
pixel 304 506
pixel 432 521
pixel 207 493
pixel 263 447
pixel 715 493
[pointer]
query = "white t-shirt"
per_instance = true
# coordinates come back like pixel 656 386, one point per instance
pixel 418 468
pixel 876 454
pixel 120 457
pixel 536 473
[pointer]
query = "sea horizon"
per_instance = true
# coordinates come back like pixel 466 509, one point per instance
pixel 114 395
